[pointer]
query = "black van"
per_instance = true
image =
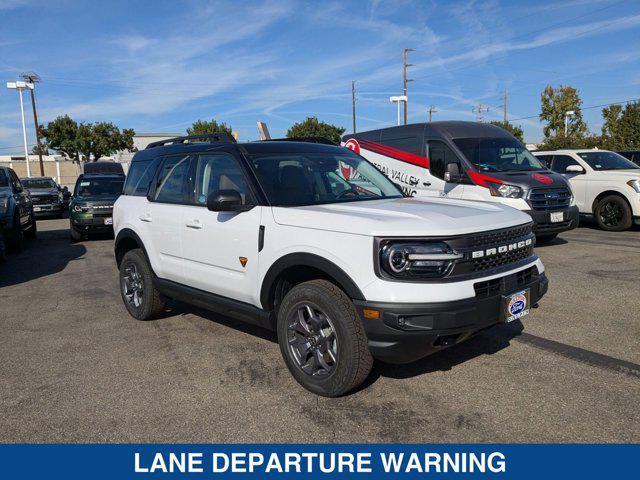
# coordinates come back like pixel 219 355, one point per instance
pixel 470 161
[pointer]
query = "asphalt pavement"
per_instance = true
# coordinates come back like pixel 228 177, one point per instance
pixel 75 367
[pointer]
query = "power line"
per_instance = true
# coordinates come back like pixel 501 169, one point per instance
pixel 586 108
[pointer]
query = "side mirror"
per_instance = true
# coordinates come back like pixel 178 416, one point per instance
pixel 226 201
pixel 453 173
pixel 574 169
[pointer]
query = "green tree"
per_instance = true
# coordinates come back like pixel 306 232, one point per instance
pixel 610 126
pixel 203 127
pixel 514 130
pixel 629 127
pixel 100 139
pixel 61 135
pixel 312 127
pixel 86 141
pixel 555 103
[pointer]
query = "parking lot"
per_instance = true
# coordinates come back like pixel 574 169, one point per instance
pixel 75 367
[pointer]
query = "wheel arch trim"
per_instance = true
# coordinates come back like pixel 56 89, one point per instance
pixel 302 259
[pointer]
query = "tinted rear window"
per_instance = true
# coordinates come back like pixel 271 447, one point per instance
pixel 139 178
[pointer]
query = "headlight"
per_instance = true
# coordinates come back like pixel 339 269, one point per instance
pixel 417 260
pixel 504 190
pixel 60 197
pixel 635 184
pixel 77 208
pixel 4 204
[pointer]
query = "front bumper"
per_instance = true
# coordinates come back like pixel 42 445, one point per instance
pixel 48 209
pixel 407 332
pixel 544 226
pixel 91 224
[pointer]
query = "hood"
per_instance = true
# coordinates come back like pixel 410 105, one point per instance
pixel 411 217
pixel 42 191
pixel 530 180
pixel 97 199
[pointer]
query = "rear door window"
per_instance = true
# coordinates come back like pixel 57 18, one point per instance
pixel 140 176
pixel 172 185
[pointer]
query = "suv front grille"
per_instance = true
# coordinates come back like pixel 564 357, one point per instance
pixel 480 264
pixel 549 198
pixel 44 199
pixel 499 236
pixel 491 288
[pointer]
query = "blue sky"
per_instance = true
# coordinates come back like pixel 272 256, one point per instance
pixel 157 66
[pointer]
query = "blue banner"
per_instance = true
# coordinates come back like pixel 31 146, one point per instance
pixel 318 461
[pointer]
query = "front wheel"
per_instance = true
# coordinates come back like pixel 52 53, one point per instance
pixel 3 251
pixel 141 299
pixel 16 241
pixel 613 214
pixel 32 233
pixel 322 339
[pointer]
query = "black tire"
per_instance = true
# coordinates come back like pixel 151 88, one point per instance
pixel 16 239
pixel 353 359
pixel 151 302
pixel 613 214
pixel 76 236
pixel 3 249
pixel 546 238
pixel 32 233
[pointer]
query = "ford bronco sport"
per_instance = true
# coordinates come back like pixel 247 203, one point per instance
pixel 312 241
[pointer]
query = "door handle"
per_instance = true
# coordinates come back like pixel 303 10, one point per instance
pixel 145 218
pixel 426 184
pixel 195 224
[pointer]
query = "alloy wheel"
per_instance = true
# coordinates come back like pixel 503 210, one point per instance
pixel 312 340
pixel 611 214
pixel 132 285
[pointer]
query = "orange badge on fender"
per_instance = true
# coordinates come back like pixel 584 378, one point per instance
pixel 243 261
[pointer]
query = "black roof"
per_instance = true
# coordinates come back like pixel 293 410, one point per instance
pixel 262 146
pixel 449 129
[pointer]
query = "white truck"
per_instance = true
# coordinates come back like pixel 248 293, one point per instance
pixel 470 161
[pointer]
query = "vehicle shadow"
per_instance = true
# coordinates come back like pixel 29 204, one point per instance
pixel 48 254
pixel 487 342
pixel 555 241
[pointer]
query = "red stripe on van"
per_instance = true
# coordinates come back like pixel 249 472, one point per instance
pixel 482 179
pixel 401 155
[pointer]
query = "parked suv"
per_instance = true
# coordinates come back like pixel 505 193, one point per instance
pixel 605 184
pixel 344 267
pixel 16 210
pixel 90 210
pixel 46 195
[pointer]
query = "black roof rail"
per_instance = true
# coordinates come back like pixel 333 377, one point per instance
pixel 322 140
pixel 209 137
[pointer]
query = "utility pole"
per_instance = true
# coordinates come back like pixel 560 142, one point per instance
pixel 33 78
pixel 478 111
pixel 353 104
pixel 504 106
pixel 431 111
pixel 405 80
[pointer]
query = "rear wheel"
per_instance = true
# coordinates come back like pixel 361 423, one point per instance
pixel 76 236
pixel 141 299
pixel 322 339
pixel 613 213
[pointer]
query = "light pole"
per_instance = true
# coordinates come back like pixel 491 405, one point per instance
pixel 567 114
pixel 20 86
pixel 397 99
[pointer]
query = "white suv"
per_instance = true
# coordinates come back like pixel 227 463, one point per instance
pixel 605 184
pixel 344 270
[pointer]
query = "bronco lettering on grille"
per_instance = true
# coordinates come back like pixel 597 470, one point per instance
pixel 501 249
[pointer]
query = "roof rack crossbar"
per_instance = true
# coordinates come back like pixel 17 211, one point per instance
pixel 209 137
pixel 322 140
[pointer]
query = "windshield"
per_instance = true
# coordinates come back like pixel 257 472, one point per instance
pixel 38 183
pixel 293 179
pixel 97 187
pixel 607 161
pixel 498 154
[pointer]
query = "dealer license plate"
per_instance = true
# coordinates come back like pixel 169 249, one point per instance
pixel 36 209
pixel 556 217
pixel 108 221
pixel 516 305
